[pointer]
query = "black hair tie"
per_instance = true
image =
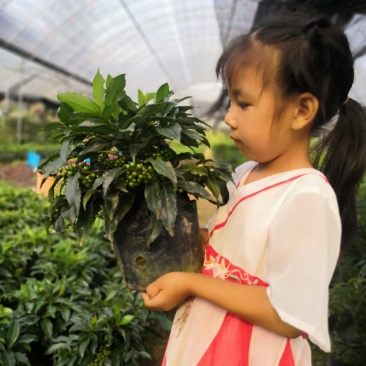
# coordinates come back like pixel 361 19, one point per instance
pixel 311 29
pixel 317 23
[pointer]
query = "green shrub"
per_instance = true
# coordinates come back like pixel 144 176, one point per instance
pixel 228 153
pixel 62 304
pixel 10 152
pixel 223 148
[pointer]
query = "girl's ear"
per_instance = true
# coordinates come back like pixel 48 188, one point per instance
pixel 306 107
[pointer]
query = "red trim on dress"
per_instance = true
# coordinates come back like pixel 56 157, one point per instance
pixel 215 265
pixel 239 182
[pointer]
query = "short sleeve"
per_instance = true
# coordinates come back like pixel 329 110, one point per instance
pixel 303 248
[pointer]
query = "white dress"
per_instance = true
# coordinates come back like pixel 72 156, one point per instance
pixel 282 232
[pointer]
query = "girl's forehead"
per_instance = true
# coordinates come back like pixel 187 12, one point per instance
pixel 257 65
pixel 245 80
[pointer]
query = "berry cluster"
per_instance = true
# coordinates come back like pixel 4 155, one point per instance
pixel 138 174
pixel 111 161
pixel 103 353
pixel 87 175
pixel 164 154
pixel 69 170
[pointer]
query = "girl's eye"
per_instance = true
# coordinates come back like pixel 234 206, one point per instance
pixel 243 105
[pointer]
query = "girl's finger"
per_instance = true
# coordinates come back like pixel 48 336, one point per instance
pixel 149 302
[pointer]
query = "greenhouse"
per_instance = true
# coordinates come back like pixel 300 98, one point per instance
pixel 122 126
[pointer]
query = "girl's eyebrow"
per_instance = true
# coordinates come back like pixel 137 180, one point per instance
pixel 240 92
pixel 236 92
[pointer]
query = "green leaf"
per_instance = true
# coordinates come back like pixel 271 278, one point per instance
pixel 51 310
pixel 154 229
pixel 52 126
pixel 73 193
pixel 27 338
pixel 136 148
pixel 51 165
pixel 99 181
pixel 13 333
pixel 190 167
pixel 195 189
pixel 110 177
pixel 47 327
pixel 126 319
pixel 8 358
pixel 150 109
pixel 21 358
pixel 94 145
pixel 91 193
pixel 168 208
pixel 172 132
pixel 164 168
pixel 149 96
pixel 76 118
pixel 64 112
pixel 194 135
pixel 108 80
pixel 86 219
pixel 98 127
pixel 110 202
pixel 115 89
pixel 98 90
pixel 162 93
pixel 152 196
pixel 51 192
pixel 225 171
pixel 65 150
pixel 213 186
pixel 65 313
pixel 55 347
pixel 140 98
pixel 107 111
pixel 79 103
pixel 124 206
pixel 116 111
pixel 83 345
pixel 127 103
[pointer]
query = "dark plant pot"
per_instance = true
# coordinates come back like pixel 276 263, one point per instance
pixel 142 265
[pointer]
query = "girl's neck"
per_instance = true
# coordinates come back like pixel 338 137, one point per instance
pixel 264 170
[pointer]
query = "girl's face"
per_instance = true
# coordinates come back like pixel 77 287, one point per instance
pixel 251 118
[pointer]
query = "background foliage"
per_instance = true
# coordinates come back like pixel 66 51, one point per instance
pixel 62 304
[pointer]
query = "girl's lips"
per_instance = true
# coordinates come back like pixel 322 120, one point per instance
pixel 236 142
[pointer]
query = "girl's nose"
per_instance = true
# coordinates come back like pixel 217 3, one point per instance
pixel 230 120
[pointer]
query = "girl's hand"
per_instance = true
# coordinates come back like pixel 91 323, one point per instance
pixel 167 292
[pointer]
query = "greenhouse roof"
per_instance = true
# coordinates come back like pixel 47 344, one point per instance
pixel 52 46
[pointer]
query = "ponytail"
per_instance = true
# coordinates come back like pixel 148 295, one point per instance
pixel 341 156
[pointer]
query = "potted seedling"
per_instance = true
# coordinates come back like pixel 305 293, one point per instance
pixel 136 166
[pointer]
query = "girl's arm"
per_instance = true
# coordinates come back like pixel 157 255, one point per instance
pixel 248 302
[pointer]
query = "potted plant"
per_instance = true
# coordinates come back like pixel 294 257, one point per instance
pixel 135 165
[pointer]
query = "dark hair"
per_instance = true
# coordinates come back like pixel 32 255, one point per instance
pixel 311 55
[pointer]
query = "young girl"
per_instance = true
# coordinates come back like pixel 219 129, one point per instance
pixel 272 249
